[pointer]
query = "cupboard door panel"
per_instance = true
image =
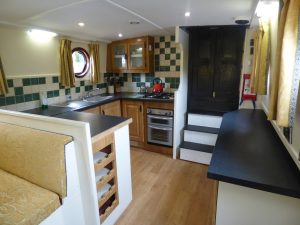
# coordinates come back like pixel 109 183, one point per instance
pixel 111 109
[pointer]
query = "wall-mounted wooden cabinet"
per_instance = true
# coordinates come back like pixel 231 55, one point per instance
pixel 134 55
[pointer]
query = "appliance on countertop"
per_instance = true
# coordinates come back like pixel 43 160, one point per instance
pixel 157 85
pixel 159 95
pixel 160 126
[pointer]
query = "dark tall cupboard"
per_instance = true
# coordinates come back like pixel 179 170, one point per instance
pixel 215 62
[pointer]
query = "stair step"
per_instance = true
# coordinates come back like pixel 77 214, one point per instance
pixel 204 120
pixel 200 137
pixel 211 130
pixel 197 147
pixel 195 156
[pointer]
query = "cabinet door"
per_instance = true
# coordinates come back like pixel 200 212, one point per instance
pixel 119 56
pixel 95 110
pixel 134 110
pixel 137 56
pixel 111 109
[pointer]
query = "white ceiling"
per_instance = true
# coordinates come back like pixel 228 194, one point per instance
pixel 104 19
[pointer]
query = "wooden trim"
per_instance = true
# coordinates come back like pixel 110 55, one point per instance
pixel 111 130
pixel 106 179
pixel 100 143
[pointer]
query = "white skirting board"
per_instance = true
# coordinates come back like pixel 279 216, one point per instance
pixel 238 205
pixel 200 137
pixel 204 120
pixel 195 156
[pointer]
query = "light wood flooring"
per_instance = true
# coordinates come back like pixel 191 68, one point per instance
pixel 169 192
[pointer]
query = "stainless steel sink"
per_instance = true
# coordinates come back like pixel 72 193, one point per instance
pixel 97 98
pixel 73 104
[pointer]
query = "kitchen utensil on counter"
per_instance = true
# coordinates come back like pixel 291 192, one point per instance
pixel 157 85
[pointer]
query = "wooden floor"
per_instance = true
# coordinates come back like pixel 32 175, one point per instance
pixel 167 191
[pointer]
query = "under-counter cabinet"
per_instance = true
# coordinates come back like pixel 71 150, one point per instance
pixel 135 110
pixel 134 55
pixel 109 109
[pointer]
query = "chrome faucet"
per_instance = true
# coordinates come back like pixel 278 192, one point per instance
pixel 89 93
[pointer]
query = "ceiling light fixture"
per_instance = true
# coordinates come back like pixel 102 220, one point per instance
pixel 81 24
pixel 120 35
pixel 187 14
pixel 266 8
pixel 41 36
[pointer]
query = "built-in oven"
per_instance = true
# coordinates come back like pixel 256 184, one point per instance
pixel 160 126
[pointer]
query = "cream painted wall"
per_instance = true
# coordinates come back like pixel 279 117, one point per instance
pixel 23 56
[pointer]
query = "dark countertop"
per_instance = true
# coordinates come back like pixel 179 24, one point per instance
pixel 98 123
pixel 81 106
pixel 249 153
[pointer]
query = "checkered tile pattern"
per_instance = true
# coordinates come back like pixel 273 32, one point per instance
pixel 167 55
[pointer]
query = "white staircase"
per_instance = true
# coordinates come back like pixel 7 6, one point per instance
pixel 200 136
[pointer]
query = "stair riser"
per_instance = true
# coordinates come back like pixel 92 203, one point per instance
pixel 204 120
pixel 195 156
pixel 200 138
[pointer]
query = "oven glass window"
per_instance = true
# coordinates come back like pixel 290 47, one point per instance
pixel 160 121
pixel 160 135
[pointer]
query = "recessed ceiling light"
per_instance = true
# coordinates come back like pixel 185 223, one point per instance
pixel 81 24
pixel 187 14
pixel 120 35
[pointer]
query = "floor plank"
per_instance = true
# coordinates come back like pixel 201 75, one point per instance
pixel 169 192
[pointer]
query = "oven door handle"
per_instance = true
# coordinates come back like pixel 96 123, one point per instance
pixel 159 128
pixel 160 117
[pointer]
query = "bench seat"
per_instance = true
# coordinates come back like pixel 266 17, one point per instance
pixel 24 203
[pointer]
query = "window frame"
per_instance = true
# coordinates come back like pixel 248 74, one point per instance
pixel 87 64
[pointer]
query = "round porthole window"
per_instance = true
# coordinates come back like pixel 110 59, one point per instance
pixel 81 62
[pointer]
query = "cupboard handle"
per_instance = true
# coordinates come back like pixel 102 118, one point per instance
pixel 140 108
pixel 214 94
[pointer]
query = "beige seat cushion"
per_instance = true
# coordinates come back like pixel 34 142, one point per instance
pixel 23 203
pixel 34 155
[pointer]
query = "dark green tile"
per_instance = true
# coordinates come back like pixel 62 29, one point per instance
pixel 173 62
pixel 178 56
pixel 168 80
pixel 49 94
pixel 164 68
pixel 176 85
pixel 20 99
pixel 67 91
pixel 162 51
pixel 125 77
pixel 42 80
pixel 2 96
pixel 77 90
pixel 177 80
pixel 54 79
pixel 10 100
pixel 10 83
pixel 26 81
pixel 28 97
pixel 156 45
pixel 173 50
pixel 56 93
pixel 173 38
pixel 86 88
pixel 177 68
pixel 35 96
pixel 167 56
pixel 161 39
pixel 61 86
pixel 82 83
pixel 90 87
pixel 34 81
pixel 167 45
pixel 173 80
pixel 19 91
pixel 157 68
pixel 172 85
pixel 156 58
pixel 138 84
pixel 97 86
pixel 2 101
